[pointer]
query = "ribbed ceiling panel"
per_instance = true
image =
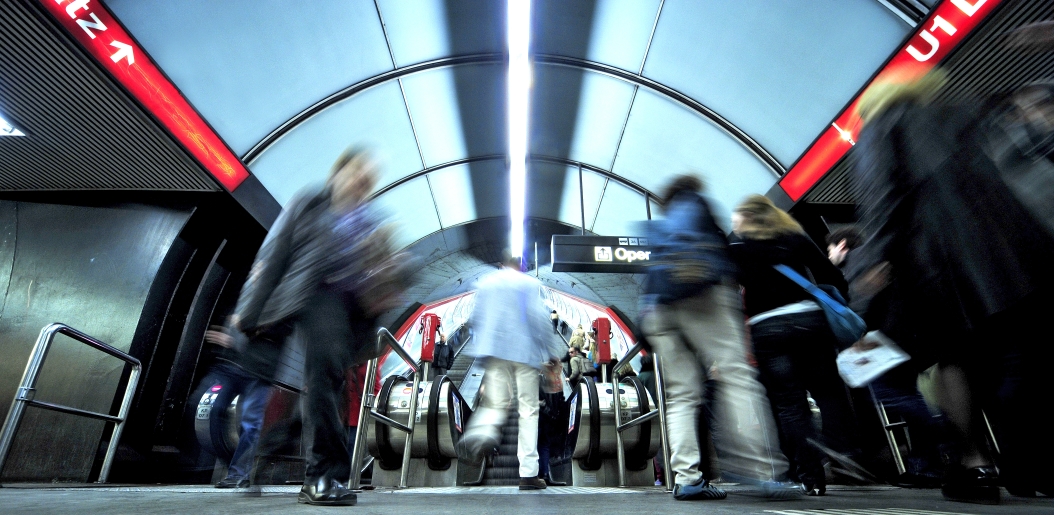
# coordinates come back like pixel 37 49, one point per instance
pixel 983 65
pixel 82 131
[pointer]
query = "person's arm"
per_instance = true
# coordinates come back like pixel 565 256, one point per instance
pixel 270 265
pixel 821 267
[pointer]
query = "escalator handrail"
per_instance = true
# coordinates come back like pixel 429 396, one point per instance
pixel 385 335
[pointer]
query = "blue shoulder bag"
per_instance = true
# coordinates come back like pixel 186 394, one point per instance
pixel 846 325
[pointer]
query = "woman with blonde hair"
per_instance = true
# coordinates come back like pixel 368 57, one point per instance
pixel 793 344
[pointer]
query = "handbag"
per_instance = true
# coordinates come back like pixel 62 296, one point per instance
pixel 846 325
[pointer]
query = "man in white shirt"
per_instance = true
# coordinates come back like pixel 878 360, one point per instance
pixel 512 337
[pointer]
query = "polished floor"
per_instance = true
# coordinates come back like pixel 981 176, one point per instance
pixel 139 499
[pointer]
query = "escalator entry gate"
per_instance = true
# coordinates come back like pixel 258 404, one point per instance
pixel 439 421
pixel 592 428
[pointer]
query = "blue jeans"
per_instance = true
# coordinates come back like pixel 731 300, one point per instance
pixel 254 400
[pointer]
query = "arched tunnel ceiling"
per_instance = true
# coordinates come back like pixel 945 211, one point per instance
pixel 771 75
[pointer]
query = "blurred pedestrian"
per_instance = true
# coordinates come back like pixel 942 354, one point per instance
pixel 691 316
pixel 327 267
pixel 968 264
pixel 511 338
pixel 793 342
pixel 252 393
pixel 898 389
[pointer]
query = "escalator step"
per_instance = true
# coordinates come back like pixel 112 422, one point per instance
pixel 501 473
pixel 505 460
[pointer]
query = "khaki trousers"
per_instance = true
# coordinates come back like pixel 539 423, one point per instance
pixel 498 380
pixel 691 336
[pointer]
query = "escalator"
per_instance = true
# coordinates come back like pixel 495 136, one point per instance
pixel 459 368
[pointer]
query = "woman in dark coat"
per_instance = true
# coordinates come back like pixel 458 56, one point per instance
pixel 968 267
pixel 793 343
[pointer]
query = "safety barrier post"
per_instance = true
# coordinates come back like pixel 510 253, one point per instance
pixel 27 390
pixel 660 392
pixel 368 400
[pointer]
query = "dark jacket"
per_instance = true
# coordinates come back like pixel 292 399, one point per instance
pixel 290 265
pixel 765 288
pixel 961 247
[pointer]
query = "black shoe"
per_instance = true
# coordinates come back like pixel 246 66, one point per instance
pixel 233 482
pixel 548 478
pixel 531 483
pixel 326 492
pixel 976 485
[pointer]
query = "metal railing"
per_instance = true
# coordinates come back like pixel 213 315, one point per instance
pixel 660 412
pixel 27 390
pixel 366 408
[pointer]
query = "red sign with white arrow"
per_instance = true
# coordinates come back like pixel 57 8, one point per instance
pixel 96 29
pixel 947 26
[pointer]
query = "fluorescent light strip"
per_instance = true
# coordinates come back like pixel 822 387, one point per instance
pixel 519 84
pixel 6 129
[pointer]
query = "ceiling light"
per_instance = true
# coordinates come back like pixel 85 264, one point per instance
pixel 519 87
pixel 6 129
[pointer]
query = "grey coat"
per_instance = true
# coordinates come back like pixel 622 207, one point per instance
pixel 290 265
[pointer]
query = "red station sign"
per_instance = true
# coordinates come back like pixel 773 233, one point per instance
pixel 96 29
pixel 947 26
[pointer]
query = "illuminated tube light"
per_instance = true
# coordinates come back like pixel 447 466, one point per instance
pixel 6 129
pixel 519 84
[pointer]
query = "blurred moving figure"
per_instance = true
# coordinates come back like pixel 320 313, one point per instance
pixel 327 268
pixel 968 265
pixel 692 333
pixel 898 389
pixel 793 343
pixel 253 394
pixel 511 335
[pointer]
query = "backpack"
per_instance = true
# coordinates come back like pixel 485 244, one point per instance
pixel 691 251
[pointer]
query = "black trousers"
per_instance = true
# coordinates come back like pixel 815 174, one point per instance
pixel 334 330
pixel 795 354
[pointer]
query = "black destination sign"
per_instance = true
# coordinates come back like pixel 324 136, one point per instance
pixel 612 254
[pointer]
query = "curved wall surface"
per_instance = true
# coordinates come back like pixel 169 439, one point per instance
pixel 91 268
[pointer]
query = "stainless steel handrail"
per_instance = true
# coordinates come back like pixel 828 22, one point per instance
pixel 660 392
pixel 27 390
pixel 620 426
pixel 366 409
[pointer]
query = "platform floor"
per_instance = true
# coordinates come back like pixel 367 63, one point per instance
pixel 202 500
